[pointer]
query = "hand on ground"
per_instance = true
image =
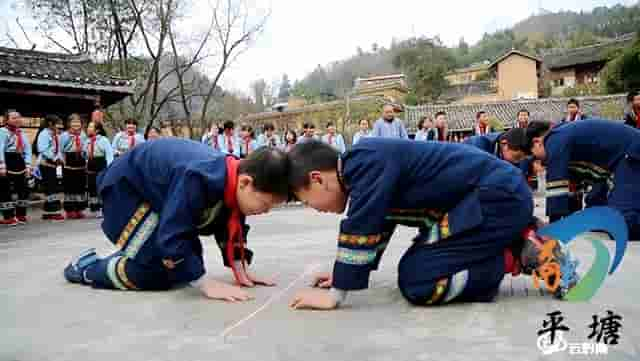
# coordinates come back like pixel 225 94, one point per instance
pixel 313 299
pixel 322 280
pixel 222 291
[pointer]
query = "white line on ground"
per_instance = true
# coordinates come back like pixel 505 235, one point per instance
pixel 309 269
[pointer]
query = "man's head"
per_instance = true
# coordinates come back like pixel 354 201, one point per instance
pixel 523 116
pixel 311 131
pixel 513 145
pixel 246 131
pixel 228 127
pixel 634 99
pixel 573 106
pixel 388 112
pixel 214 128
pixel 425 123
pixel 131 125
pixel 290 136
pixel 269 129
pixel 536 131
pixel 75 122
pixel 262 181
pixel 13 118
pixel 482 117
pixel 331 128
pixel 313 176
pixel 364 125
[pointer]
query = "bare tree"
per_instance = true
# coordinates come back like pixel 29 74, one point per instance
pixel 234 31
pixel 169 64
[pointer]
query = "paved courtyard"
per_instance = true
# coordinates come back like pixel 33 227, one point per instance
pixel 44 318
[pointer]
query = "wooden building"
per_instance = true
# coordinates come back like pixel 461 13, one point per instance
pixel 39 83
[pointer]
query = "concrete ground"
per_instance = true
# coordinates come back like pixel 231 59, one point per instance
pixel 44 318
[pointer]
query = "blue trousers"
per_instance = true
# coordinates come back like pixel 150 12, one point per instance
pixel 469 266
pixel 625 195
pixel 130 225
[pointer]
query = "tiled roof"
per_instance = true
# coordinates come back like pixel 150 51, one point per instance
pixel 306 108
pixel 461 117
pixel 61 70
pixel 584 55
pixel 512 52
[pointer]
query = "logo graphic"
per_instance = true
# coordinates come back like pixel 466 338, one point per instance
pixel 548 346
pixel 602 219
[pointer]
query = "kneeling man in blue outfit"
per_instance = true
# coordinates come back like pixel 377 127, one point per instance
pixel 160 197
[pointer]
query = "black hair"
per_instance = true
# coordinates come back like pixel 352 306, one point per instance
pixel 131 121
pixel 421 122
pixel 100 128
pixel 247 128
pixel 516 139
pixel 478 114
pixel 305 126
pixel 632 94
pixel 307 157
pixel 536 129
pixel 523 110
pixel 269 168
pixel 440 113
pixel 67 123
pixel 293 132
pixel 329 124
pixel 228 125
pixel 46 123
pixel 267 127
pixel 149 127
pixel 9 111
pixel 312 126
pixel 574 102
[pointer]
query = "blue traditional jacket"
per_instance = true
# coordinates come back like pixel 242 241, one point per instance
pixel 8 144
pixel 49 146
pixel 490 143
pixel 183 182
pixel 101 149
pixel 433 186
pixel 584 153
pixel 337 142
pixel 121 142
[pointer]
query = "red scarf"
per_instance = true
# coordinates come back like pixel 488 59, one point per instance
pixel 229 143
pixel 56 142
pixel 638 119
pixel 76 140
pixel 246 146
pixel 441 134
pixel 132 139
pixel 330 139
pixel 18 133
pixel 92 145
pixel 215 141
pixel 482 128
pixel 234 225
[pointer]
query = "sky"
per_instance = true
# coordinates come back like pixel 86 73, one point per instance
pixel 300 34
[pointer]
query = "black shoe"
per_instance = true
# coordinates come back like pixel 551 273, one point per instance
pixel 74 272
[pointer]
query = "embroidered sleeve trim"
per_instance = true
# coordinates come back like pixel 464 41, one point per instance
pixel 563 191
pixel 133 223
pixel 359 240
pixel 556 184
pixel 355 257
pixel 439 292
